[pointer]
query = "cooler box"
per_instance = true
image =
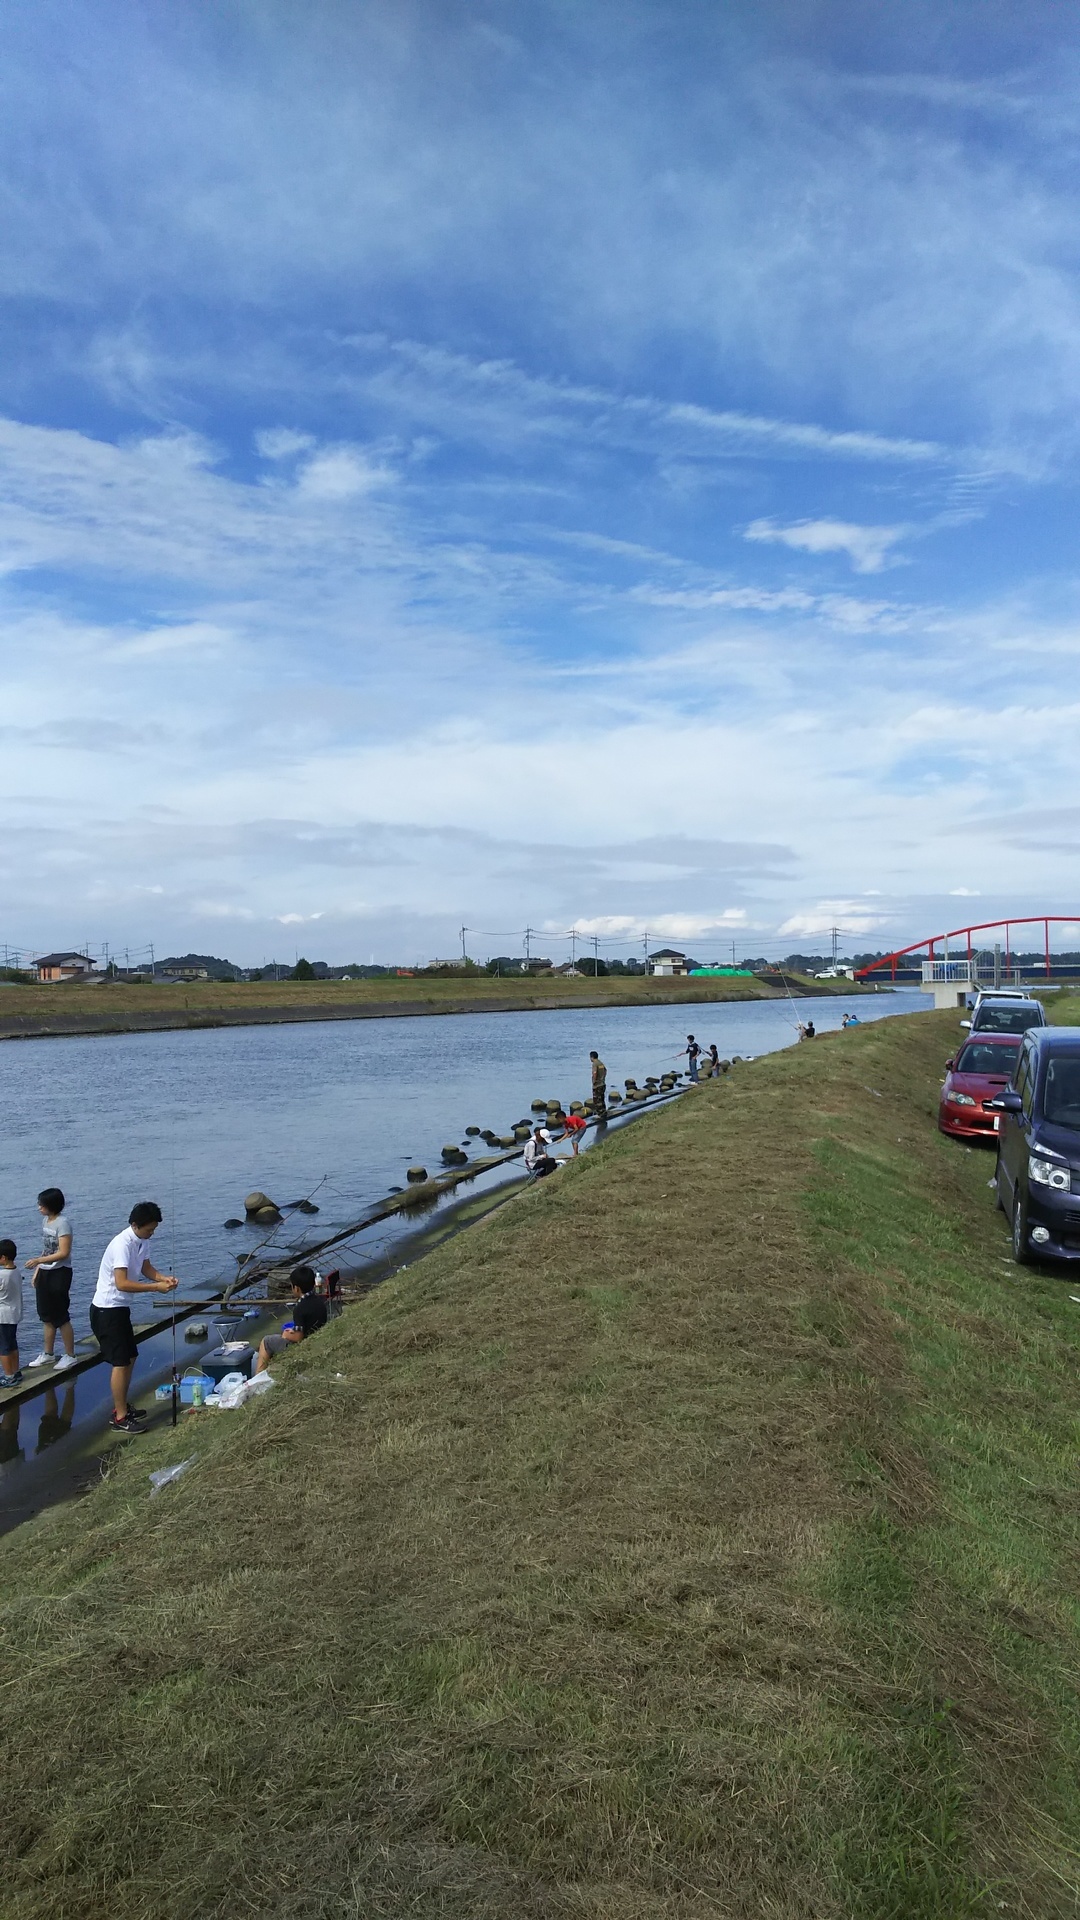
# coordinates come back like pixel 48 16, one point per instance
pixel 237 1357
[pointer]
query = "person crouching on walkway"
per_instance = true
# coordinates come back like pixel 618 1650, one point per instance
pixel 11 1303
pixel 126 1270
pixel 575 1127
pixel 538 1160
pixel 309 1314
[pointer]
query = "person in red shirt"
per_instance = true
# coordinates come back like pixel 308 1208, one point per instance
pixel 575 1127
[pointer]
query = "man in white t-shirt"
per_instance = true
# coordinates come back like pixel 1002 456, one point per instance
pixel 126 1270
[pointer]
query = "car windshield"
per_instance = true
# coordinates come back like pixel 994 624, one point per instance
pixel 1003 1019
pixel 984 1057
pixel 1061 1094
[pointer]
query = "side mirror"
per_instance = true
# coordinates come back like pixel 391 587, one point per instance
pixel 949 1065
pixel 1007 1102
pixel 965 1023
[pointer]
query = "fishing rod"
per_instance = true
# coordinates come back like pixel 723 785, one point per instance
pixel 233 1286
pixel 172 1249
pixel 384 1210
pixel 797 1024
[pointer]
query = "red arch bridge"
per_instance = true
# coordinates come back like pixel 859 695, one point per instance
pixel 952 965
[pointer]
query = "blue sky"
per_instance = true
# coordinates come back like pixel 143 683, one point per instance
pixel 596 464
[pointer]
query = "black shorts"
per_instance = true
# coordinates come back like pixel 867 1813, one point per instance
pixel 111 1327
pixel 9 1337
pixel 52 1291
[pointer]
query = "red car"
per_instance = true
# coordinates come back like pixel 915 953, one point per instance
pixel 978 1074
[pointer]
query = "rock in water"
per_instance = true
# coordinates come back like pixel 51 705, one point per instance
pixel 472 1132
pixel 266 1216
pixel 234 1223
pixel 256 1201
pixel 416 1174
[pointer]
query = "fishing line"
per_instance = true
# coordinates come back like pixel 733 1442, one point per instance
pixel 796 1023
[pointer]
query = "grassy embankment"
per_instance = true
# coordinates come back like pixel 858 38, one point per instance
pixel 116 1007
pixel 694 1538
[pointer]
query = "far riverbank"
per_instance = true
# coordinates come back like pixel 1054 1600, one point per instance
pixel 36 1013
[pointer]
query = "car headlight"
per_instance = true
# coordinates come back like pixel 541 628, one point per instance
pixel 960 1100
pixel 1045 1173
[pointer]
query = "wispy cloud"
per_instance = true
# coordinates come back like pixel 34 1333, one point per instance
pixel 868 548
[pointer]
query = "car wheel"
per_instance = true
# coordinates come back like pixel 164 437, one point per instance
pixel 1020 1232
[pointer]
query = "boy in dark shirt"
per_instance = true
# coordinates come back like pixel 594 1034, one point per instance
pixel 309 1314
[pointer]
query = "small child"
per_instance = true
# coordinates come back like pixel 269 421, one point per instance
pixel 575 1127
pixel 11 1305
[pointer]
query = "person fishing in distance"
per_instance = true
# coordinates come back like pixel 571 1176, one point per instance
pixel 691 1051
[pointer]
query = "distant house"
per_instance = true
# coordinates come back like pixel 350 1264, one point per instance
pixel 569 972
pixel 183 973
pixel 667 963
pixel 63 966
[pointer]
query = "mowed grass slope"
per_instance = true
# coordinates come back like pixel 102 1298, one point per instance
pixel 696 1537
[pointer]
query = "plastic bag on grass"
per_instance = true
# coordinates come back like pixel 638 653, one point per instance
pixel 228 1397
pixel 165 1476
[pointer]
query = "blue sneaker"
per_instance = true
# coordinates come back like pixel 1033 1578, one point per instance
pixel 11 1380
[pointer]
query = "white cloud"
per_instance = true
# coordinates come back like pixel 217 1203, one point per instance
pixel 850 916
pixel 282 443
pixel 868 548
pixel 340 473
pixel 964 893
pixel 666 926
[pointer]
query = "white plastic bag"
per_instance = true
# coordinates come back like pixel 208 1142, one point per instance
pixel 165 1476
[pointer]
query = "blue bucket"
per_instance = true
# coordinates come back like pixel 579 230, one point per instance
pixel 186 1388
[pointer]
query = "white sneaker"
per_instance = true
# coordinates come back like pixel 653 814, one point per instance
pixel 41 1360
pixel 64 1361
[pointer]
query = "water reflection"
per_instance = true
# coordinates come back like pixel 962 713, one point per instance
pixel 56 1416
pixel 11 1454
pixel 52 1414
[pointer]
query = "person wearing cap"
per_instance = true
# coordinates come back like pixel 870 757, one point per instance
pixel 538 1161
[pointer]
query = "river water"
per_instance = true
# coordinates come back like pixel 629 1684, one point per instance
pixel 195 1120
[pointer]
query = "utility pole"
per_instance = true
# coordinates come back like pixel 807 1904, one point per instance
pixel 835 945
pixel 573 946
pixel 596 956
pixel 464 955
pixel 646 943
pixel 733 953
pixel 151 960
pixel 528 937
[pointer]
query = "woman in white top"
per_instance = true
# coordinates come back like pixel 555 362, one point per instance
pixel 52 1281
